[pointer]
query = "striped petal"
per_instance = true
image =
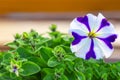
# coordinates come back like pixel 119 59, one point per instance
pixel 79 24
pixel 95 21
pixel 106 31
pixel 92 21
pixel 99 22
pixel 84 20
pixel 108 40
pixel 91 52
pixel 80 32
pixel 97 49
pixel 105 50
pixel 82 48
pixel 77 38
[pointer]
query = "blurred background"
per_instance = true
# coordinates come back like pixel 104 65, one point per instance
pixel 17 16
pixel 66 9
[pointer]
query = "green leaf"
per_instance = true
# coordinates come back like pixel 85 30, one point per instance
pixel 29 68
pixel 49 77
pixel 12 45
pixel 71 76
pixel 7 58
pixel 103 70
pixel 46 53
pixel 80 76
pixel 59 70
pixel 38 61
pixel 48 70
pixel 69 58
pixel 63 77
pixel 91 60
pixel 52 62
pixel 67 48
pixel 42 41
pixel 32 77
pixel 70 66
pixel 23 52
pixel 97 72
pixel 56 36
pixel 104 76
pixel 79 65
pixel 20 42
pixel 6 76
pixel 89 73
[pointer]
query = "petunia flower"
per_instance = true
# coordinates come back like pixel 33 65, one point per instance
pixel 93 36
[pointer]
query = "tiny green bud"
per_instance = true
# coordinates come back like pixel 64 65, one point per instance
pixel 17 36
pixel 53 27
pixel 25 35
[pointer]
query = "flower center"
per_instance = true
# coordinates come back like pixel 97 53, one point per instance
pixel 91 35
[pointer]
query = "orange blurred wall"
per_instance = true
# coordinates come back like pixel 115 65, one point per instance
pixel 11 6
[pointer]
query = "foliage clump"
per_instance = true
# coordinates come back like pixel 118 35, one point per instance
pixel 34 57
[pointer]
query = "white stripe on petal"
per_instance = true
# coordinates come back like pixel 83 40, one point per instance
pixel 82 48
pixel 92 21
pixel 106 31
pixel 105 50
pixel 98 21
pixel 98 51
pixel 79 32
pixel 77 25
pixel 100 17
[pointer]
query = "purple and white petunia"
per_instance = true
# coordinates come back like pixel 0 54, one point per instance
pixel 92 37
